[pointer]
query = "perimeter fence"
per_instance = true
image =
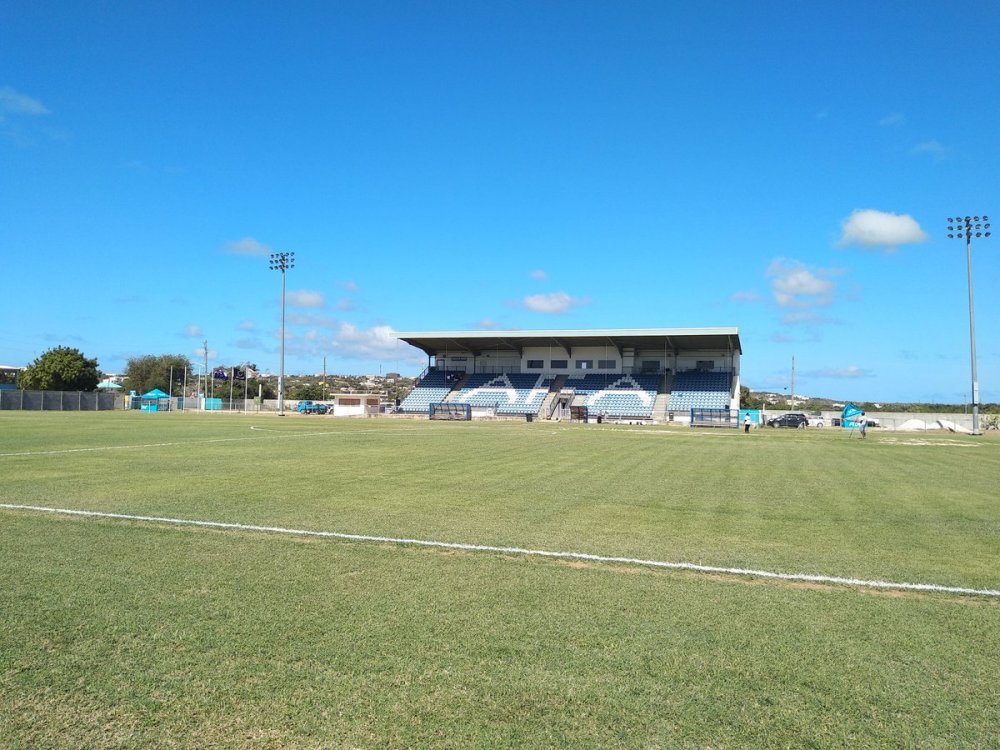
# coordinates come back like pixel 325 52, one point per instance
pixel 56 401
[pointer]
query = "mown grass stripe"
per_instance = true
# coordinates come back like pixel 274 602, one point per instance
pixel 798 577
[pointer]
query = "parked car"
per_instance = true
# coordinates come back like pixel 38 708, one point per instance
pixel 816 420
pixel 310 407
pixel 838 422
pixel 789 420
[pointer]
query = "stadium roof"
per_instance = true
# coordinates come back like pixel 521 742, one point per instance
pixel 671 339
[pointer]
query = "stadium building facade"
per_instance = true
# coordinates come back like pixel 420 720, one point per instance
pixel 648 374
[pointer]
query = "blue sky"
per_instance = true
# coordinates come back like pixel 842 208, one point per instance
pixel 787 168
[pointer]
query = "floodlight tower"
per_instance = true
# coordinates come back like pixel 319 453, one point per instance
pixel 282 262
pixel 967 228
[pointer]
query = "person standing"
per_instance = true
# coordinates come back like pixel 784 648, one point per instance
pixel 746 424
pixel 863 425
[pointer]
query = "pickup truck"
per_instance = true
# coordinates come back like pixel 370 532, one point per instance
pixel 310 407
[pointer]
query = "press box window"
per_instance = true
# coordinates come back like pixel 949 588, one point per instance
pixel 535 364
pixel 560 364
pixel 607 364
pixel 585 364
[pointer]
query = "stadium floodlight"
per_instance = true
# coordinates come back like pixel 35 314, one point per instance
pixel 282 262
pixel 967 228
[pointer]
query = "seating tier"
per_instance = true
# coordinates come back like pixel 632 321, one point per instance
pixel 512 393
pixel 617 395
pixel 700 390
pixel 431 389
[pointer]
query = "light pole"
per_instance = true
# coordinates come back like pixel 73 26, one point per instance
pixel 967 228
pixel 282 262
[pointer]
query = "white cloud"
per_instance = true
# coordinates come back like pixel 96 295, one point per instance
pixel 377 342
pixel 486 323
pixel 554 303
pixel 747 295
pixel 893 119
pixel 192 330
pixel 349 285
pixel 345 303
pixel 870 228
pixel 539 275
pixel 305 298
pixel 794 285
pixel 247 246
pixel 16 103
pixel 246 325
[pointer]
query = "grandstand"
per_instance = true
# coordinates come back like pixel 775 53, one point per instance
pixel 648 375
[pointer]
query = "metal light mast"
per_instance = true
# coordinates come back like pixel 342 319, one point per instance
pixel 967 228
pixel 282 262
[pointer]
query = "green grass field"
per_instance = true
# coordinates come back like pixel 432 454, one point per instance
pixel 118 633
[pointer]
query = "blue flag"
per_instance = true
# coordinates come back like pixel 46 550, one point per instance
pixel 849 416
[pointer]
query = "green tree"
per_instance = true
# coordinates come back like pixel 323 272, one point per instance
pixel 145 373
pixel 245 387
pixel 310 391
pixel 60 369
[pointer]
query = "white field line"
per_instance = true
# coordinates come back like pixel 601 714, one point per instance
pixel 272 435
pixel 804 577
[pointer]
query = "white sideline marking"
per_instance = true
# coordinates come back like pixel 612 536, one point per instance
pixel 892 585
pixel 272 435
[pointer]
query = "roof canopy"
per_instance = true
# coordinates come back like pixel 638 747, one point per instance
pixel 668 339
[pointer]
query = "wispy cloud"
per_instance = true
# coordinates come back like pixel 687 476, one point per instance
pixel 192 331
pixel 805 317
pixel 843 373
pixel 931 148
pixel 554 303
pixel 869 227
pixel 350 285
pixel 486 323
pixel 201 352
pixel 14 102
pixel 746 295
pixel 310 319
pixel 539 275
pixel 246 246
pixel 795 285
pixel 893 119
pixel 305 298
pixel 345 304
pixel 246 325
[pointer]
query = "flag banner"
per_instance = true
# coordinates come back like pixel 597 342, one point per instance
pixel 219 373
pixel 251 373
pixel 850 416
pixel 239 374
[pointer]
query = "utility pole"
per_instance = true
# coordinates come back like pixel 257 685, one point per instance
pixel 792 403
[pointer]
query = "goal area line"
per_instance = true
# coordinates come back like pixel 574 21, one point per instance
pixel 659 564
